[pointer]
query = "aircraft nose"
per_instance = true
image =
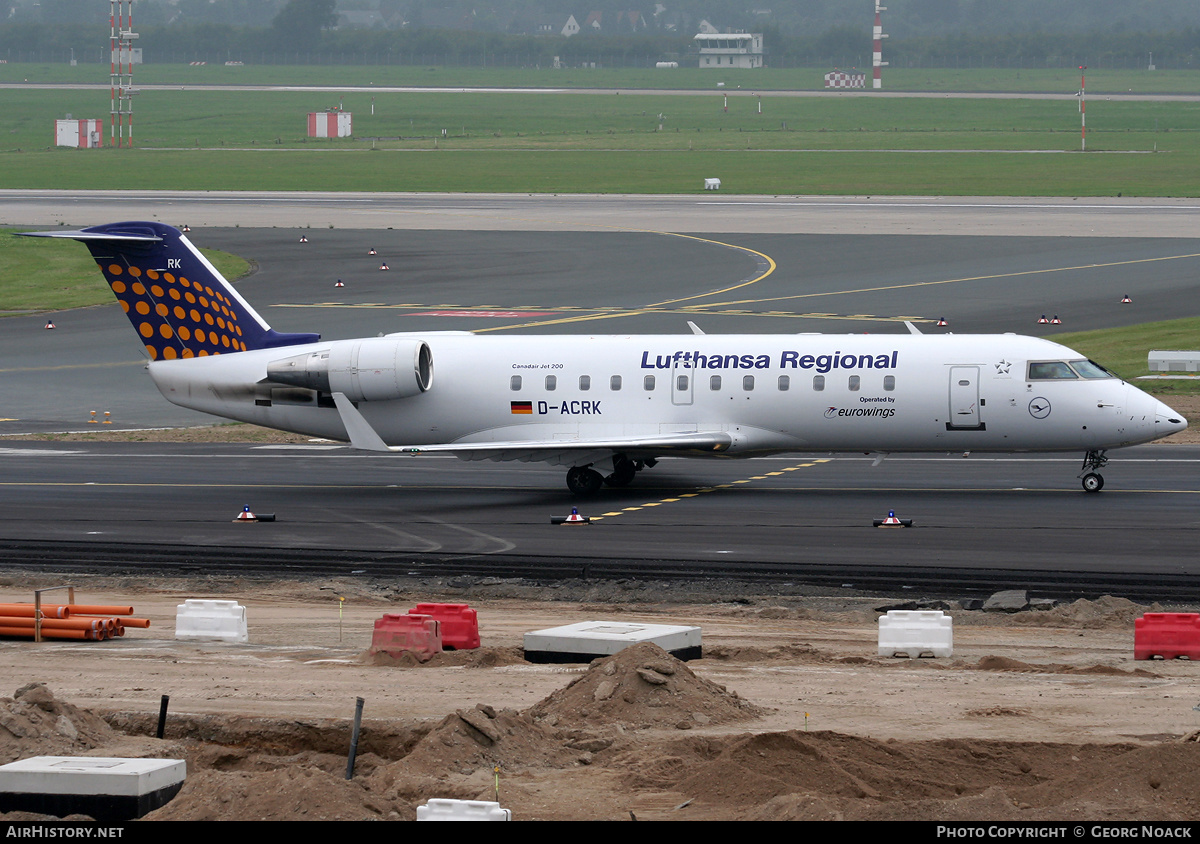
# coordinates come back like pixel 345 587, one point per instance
pixel 1167 421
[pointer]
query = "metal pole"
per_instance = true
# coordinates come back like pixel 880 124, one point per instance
pixel 1083 108
pixel 358 708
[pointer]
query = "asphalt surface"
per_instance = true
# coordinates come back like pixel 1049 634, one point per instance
pixel 981 523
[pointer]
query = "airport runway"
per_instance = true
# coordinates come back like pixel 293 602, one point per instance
pixel 981 523
pixel 583 265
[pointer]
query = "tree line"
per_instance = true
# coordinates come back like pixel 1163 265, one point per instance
pixel 840 45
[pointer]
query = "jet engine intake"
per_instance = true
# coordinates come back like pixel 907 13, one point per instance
pixel 375 369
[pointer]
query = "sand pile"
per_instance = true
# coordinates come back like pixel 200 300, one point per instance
pixel 35 723
pixel 642 686
pixel 481 737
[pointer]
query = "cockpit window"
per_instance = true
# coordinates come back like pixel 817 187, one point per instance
pixel 1090 369
pixel 1047 370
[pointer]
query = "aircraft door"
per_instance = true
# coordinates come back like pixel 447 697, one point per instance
pixel 964 399
pixel 683 383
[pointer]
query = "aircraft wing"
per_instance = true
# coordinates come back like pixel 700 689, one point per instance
pixel 366 438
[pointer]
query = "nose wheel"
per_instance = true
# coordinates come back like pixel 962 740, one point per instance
pixel 1092 480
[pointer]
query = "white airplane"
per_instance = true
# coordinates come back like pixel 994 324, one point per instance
pixel 607 407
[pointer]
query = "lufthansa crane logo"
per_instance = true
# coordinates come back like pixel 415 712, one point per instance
pixel 1039 408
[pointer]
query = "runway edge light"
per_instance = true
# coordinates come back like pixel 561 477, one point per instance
pixel 573 519
pixel 892 521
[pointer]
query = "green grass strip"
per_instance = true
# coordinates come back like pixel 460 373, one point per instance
pixel 54 275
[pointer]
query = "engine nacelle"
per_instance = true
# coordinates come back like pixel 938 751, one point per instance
pixel 376 369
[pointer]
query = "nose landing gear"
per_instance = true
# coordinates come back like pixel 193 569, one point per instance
pixel 1092 480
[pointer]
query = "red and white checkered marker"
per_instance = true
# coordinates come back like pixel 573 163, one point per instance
pixel 339 283
pixel 1042 320
pixel 941 321
pixel 49 323
pixel 1125 300
pixel 246 515
pixel 384 266
pixel 573 519
pixel 186 229
pixel 892 521
pixel 372 252
pixel 303 239
pixel 1056 320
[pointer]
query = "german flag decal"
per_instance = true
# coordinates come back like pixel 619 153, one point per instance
pixel 522 407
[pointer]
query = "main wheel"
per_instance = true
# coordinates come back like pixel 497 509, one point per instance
pixel 1093 482
pixel 583 480
pixel 623 471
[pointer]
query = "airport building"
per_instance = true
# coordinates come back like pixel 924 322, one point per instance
pixel 730 49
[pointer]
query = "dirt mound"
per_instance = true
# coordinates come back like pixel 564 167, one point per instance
pixel 826 776
pixel 642 686
pixel 1003 663
pixel 481 737
pixel 750 653
pixel 292 793
pixel 1104 612
pixel 35 723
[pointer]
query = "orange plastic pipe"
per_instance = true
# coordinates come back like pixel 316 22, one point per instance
pixel 54 633
pixel 89 609
pixel 26 610
pixel 55 623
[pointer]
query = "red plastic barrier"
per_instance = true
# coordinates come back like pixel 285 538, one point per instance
pixel 417 634
pixel 1169 635
pixel 460 624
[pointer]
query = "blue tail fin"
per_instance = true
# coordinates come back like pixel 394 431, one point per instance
pixel 177 301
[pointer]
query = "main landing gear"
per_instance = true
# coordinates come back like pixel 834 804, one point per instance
pixel 1092 480
pixel 584 480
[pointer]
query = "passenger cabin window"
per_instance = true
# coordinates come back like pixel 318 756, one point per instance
pixel 585 383
pixel 551 383
pixel 818 383
pixel 747 383
pixel 785 383
pixel 889 382
pixel 681 383
pixel 514 383
pixel 714 382
pixel 648 383
pixel 855 383
pixel 614 383
pixel 1050 370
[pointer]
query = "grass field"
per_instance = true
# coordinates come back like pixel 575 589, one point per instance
pixel 613 143
pixel 999 80
pixel 53 275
